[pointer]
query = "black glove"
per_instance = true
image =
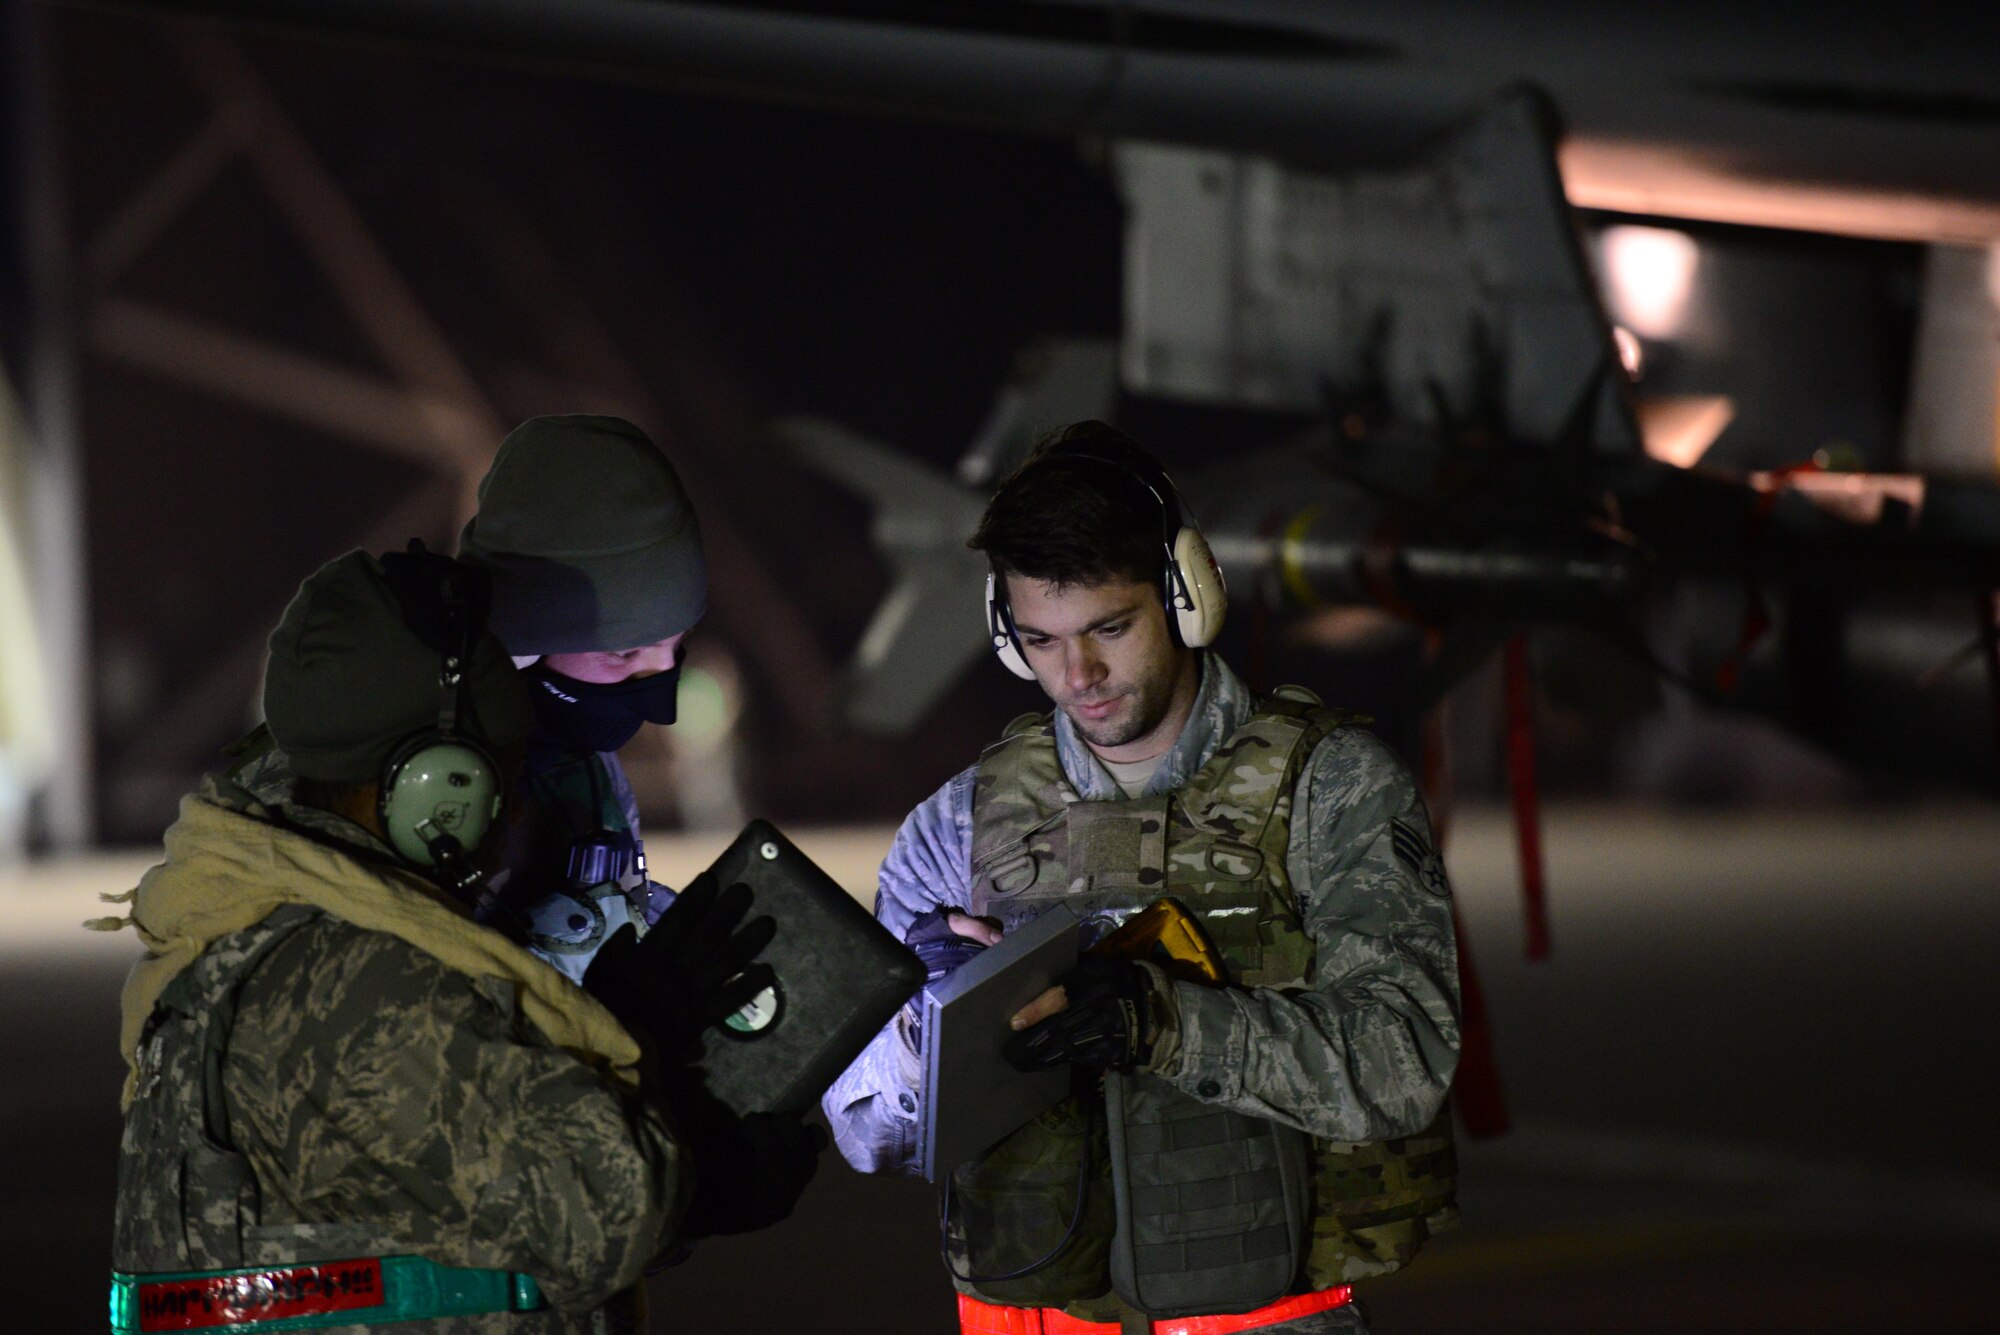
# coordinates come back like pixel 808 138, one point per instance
pixel 1106 1023
pixel 687 973
pixel 748 1172
pixel 942 950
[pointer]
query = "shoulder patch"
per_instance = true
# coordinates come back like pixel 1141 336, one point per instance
pixel 1419 856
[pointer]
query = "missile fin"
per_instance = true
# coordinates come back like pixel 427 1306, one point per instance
pixel 931 627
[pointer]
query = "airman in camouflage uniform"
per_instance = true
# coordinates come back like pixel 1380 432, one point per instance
pixel 1300 842
pixel 332 1062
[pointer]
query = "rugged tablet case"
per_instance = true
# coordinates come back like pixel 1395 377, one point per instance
pixel 972 1095
pixel 841 976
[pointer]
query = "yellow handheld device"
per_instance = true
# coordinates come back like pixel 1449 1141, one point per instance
pixel 1167 934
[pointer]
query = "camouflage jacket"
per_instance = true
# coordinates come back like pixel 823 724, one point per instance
pixel 1364 1054
pixel 367 1098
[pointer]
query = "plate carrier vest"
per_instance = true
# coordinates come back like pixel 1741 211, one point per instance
pixel 1218 844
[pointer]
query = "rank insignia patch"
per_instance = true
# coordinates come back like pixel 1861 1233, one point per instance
pixel 1416 852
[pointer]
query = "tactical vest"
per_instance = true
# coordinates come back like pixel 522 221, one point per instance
pixel 1219 845
pixel 188 1199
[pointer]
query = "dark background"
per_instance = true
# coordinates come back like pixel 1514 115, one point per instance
pixel 704 265
pixel 1751 1088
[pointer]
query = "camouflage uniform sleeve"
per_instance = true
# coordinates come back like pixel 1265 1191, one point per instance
pixel 371 1084
pixel 1368 1051
pixel 872 1107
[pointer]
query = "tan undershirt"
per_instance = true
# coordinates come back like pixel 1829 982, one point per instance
pixel 1132 777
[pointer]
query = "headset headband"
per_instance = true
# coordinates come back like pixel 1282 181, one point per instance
pixel 1132 462
pixel 445 604
pixel 1141 468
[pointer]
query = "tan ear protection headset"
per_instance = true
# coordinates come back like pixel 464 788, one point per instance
pixel 441 790
pixel 1194 593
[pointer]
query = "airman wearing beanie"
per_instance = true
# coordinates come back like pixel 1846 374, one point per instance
pixel 596 563
pixel 349 681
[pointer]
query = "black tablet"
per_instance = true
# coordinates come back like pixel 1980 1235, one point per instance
pixel 841 976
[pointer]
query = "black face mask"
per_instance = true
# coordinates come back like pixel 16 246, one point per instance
pixel 600 717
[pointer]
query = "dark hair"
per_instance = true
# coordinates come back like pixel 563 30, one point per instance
pixel 1074 519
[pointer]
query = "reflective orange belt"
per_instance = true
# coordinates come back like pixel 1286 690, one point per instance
pixel 978 1318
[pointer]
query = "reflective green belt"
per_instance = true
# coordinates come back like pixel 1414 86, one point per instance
pixel 359 1292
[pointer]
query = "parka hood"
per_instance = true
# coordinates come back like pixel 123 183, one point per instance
pixel 228 868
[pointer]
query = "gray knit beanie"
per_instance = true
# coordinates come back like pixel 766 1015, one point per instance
pixel 589 537
pixel 349 681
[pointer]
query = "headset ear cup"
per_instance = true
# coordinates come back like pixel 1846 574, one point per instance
pixel 434 786
pixel 1010 658
pixel 1202 577
pixel 1000 625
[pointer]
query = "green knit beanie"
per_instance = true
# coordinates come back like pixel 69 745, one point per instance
pixel 589 537
pixel 349 681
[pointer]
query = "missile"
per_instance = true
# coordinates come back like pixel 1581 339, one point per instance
pixel 1859 627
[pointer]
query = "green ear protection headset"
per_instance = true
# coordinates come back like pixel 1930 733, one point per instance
pixel 441 790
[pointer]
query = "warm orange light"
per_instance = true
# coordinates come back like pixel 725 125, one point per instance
pixel 1678 428
pixel 1630 354
pixel 1855 497
pixel 1649 274
pixel 1669 182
